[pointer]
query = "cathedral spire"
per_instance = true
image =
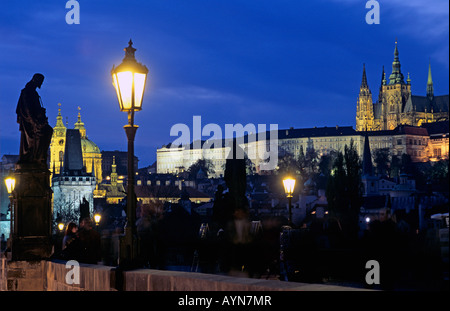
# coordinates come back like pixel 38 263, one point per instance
pixel 430 90
pixel 396 76
pixel 383 82
pixel 364 110
pixel 364 89
pixel 364 78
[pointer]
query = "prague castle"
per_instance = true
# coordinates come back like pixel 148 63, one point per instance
pixel 396 105
pixel 398 121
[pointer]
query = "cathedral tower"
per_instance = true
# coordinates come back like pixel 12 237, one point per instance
pixel 364 109
pixel 396 105
pixel 394 95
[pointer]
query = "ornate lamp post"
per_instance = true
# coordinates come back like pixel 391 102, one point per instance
pixel 129 81
pixel 289 184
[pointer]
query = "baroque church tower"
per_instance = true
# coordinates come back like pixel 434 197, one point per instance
pixel 57 144
pixel 92 157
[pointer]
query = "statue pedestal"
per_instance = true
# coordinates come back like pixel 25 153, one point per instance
pixel 32 214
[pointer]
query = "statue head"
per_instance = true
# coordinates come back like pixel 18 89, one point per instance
pixel 38 79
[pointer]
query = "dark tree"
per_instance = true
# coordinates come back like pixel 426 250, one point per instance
pixel 381 160
pixel 326 162
pixel 353 181
pixel 344 188
pixel 287 163
pixel 336 188
pixel 302 164
pixel 311 159
pixel 202 164
pixel 395 167
pixel 407 164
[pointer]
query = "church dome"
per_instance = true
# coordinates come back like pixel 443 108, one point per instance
pixel 87 146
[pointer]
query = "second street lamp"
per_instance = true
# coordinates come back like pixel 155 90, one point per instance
pixel 10 183
pixel 289 184
pixel 97 218
pixel 129 80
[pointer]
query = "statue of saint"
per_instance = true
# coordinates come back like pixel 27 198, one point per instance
pixel 36 133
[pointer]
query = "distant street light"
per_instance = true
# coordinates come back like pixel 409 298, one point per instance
pixel 129 80
pixel 10 183
pixel 97 218
pixel 61 226
pixel 289 184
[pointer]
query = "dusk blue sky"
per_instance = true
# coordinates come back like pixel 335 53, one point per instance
pixel 291 63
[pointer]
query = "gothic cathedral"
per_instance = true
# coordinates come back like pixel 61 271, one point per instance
pixel 396 105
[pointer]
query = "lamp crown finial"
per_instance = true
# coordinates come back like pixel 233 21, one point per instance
pixel 129 51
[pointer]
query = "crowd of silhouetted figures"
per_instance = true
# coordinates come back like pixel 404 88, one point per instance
pixel 317 251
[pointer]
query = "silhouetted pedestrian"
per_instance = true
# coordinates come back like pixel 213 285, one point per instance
pixel 70 234
pixel 90 243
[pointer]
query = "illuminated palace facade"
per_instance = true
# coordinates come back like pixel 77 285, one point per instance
pixel 421 143
pixel 399 121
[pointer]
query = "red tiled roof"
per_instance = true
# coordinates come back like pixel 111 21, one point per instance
pixel 415 131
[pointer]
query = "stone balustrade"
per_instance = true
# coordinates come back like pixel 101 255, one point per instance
pixel 51 276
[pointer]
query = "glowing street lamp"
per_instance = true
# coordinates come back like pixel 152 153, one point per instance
pixel 97 218
pixel 289 184
pixel 61 226
pixel 10 183
pixel 129 80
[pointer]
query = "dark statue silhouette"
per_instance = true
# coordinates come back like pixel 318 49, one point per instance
pixel 36 133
